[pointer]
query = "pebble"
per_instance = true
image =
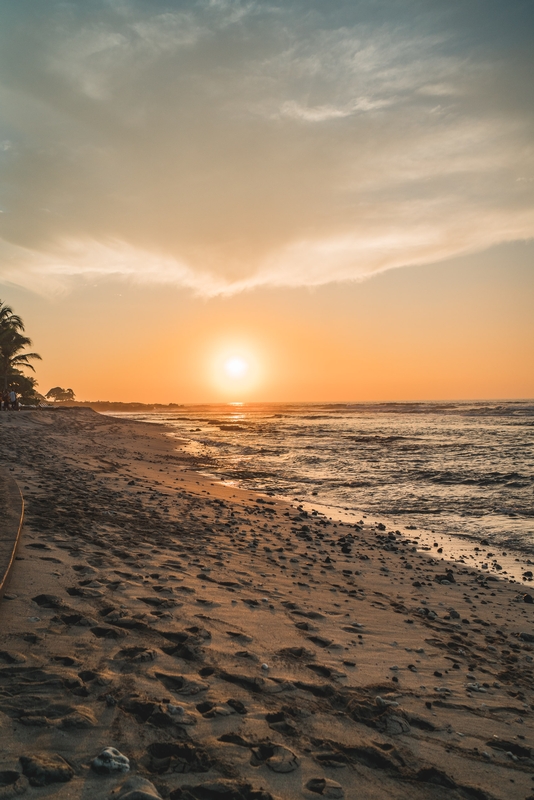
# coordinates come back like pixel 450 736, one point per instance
pixel 475 687
pixel 384 703
pixel 109 761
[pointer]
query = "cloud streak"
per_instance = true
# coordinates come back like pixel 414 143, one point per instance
pixel 232 146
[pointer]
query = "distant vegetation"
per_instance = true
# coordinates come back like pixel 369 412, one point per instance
pixel 111 405
pixel 13 359
pixel 57 393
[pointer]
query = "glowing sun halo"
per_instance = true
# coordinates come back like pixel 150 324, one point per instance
pixel 236 367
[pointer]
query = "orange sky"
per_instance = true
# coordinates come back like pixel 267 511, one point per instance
pixel 340 193
pixel 450 331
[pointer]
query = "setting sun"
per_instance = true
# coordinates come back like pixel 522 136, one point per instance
pixel 236 367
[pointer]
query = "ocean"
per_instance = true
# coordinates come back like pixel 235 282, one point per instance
pixel 458 469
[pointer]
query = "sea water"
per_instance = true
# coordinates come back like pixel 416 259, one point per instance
pixel 459 469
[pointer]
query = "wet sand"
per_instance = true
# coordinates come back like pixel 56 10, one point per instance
pixel 233 646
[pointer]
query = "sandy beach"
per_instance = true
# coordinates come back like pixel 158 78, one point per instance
pixel 236 647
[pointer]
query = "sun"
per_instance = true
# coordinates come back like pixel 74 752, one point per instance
pixel 236 367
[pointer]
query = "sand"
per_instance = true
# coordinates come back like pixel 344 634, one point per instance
pixel 232 646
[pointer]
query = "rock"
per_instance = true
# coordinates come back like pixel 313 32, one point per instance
pixel 447 578
pixel 325 787
pixel 109 761
pixel 527 598
pixel 135 788
pixel 42 770
pixel 12 784
pixel 381 703
pixel 396 726
pixel 475 687
pixel 275 756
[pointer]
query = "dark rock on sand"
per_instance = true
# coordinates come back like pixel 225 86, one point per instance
pixel 44 769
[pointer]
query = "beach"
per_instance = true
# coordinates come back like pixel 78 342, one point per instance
pixel 236 646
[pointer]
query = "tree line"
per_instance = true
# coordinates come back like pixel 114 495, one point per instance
pixel 13 358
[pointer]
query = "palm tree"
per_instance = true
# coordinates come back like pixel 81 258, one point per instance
pixel 12 343
pixel 8 319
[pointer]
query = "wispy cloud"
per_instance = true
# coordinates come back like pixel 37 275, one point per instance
pixel 327 112
pixel 232 145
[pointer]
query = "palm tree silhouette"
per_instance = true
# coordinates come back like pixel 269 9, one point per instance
pixel 12 342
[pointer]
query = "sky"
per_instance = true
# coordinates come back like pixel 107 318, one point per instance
pixel 337 197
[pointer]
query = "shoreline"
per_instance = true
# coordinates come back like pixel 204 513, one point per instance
pixel 487 532
pixel 454 548
pixel 173 591
pixel 503 565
